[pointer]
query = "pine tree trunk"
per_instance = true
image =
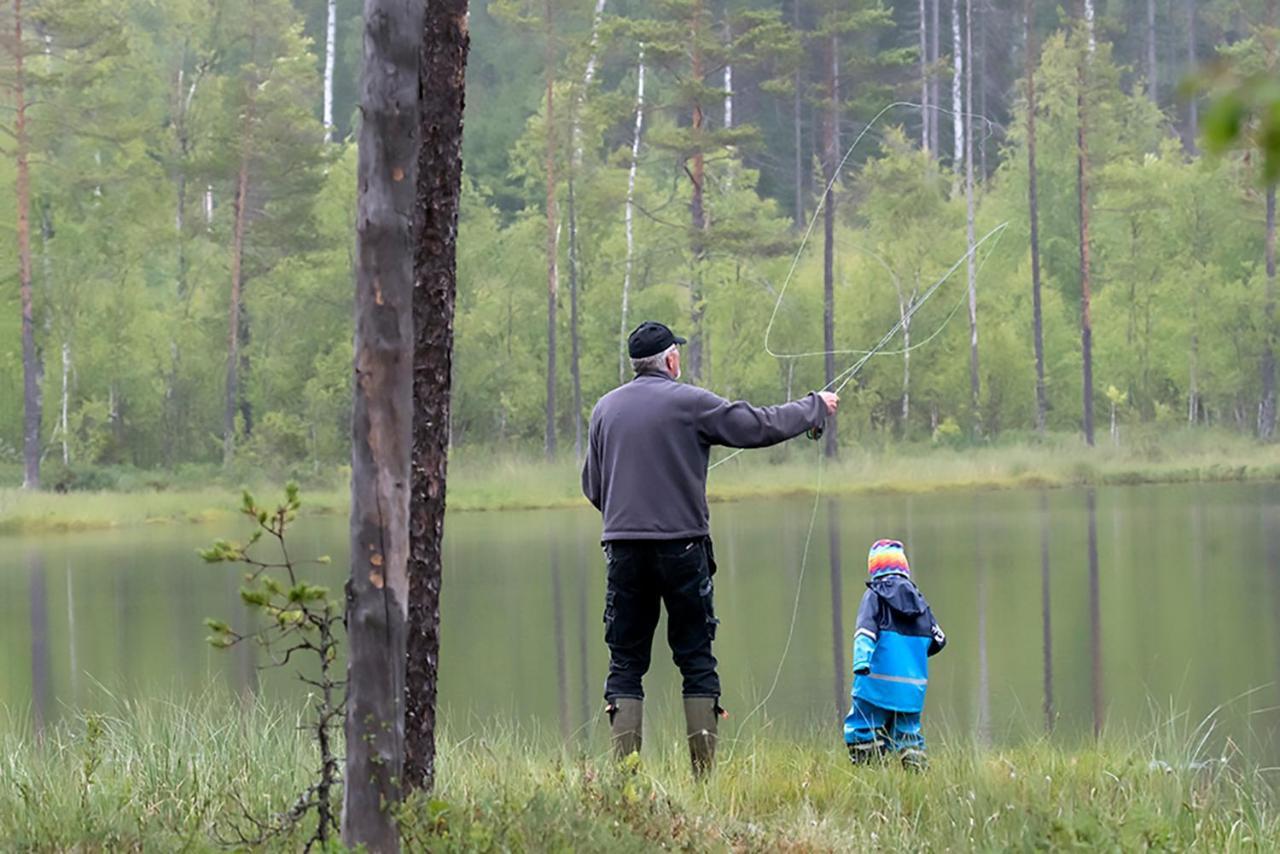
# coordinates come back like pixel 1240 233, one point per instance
pixel 237 268
pixel 926 115
pixel 575 166
pixel 1153 83
pixel 553 271
pixel 1082 202
pixel 975 382
pixel 1267 414
pixel 959 119
pixel 30 357
pixel 629 217
pixel 442 71
pixel 330 34
pixel 1192 131
pixel 1033 207
pixel 796 127
pixel 377 593
pixel 830 164
pixel 697 212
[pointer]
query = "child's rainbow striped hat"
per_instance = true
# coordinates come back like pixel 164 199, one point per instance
pixel 886 558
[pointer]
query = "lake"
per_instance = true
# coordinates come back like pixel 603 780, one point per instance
pixel 1178 614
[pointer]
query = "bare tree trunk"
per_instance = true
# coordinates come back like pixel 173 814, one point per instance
pixel 1089 28
pixel 935 84
pixel 442 72
pixel 330 33
pixel 926 115
pixel 1267 413
pixel 796 124
pixel 629 216
pixel 237 266
pixel 382 425
pixel 575 166
pixel 728 73
pixel 982 92
pixel 30 357
pixel 1033 203
pixel 62 421
pixel 1153 83
pixel 975 381
pixel 905 304
pixel 1192 131
pixel 1082 199
pixel 697 211
pixel 959 119
pixel 830 164
pixel 553 271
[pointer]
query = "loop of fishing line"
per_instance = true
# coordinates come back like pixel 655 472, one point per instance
pixel 842 379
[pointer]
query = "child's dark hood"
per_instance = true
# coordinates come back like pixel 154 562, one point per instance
pixel 899 593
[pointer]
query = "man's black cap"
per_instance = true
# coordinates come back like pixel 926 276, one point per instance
pixel 651 338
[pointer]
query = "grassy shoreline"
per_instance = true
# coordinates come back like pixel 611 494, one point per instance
pixel 511 483
pixel 176 775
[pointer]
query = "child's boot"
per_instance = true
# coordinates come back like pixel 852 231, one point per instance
pixel 914 759
pixel 865 753
pixel 626 717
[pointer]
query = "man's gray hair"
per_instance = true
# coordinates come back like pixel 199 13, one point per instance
pixel 656 362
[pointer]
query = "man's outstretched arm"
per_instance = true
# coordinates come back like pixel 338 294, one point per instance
pixel 738 424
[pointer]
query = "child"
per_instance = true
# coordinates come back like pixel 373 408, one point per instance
pixel 895 636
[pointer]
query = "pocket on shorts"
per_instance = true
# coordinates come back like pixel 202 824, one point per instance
pixel 706 593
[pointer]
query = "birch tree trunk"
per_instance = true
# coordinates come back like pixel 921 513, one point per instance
pixel 959 119
pixel 1089 27
pixel 935 85
pixel 629 216
pixel 237 268
pixel 30 357
pixel 330 33
pixel 442 64
pixel 975 386
pixel 381 426
pixel 1033 211
pixel 62 420
pixel 553 270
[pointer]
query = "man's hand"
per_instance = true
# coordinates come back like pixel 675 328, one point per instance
pixel 831 400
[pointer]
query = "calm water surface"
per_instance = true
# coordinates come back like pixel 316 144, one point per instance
pixel 1179 611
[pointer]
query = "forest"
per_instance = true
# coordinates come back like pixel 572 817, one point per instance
pixel 179 257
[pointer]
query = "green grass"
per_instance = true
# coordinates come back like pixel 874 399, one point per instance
pixel 166 777
pixel 479 481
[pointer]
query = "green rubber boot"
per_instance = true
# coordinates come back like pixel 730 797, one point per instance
pixel 701 715
pixel 626 717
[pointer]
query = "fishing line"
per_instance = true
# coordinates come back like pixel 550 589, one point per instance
pixel 847 375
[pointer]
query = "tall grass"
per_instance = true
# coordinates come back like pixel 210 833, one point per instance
pixel 175 776
pixel 502 481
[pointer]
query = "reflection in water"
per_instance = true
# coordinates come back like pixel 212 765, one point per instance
pixel 983 723
pixel 837 604
pixel 246 665
pixel 584 567
pixel 1095 611
pixel 73 667
pixel 562 673
pixel 38 608
pixel 1046 613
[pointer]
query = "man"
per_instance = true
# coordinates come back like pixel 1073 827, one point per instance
pixel 646 472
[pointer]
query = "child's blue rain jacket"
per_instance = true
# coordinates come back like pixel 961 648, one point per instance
pixel 895 636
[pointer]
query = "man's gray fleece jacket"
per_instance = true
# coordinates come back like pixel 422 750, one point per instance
pixel 646 466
